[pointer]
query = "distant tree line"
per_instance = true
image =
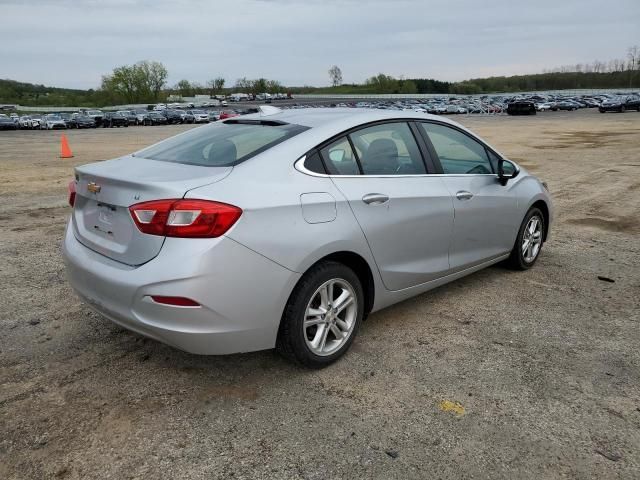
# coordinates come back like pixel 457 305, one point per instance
pixel 146 82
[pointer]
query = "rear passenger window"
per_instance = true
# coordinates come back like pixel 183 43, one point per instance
pixel 339 158
pixel 388 149
pixel 458 153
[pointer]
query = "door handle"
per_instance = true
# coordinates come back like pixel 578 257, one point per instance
pixel 464 195
pixel 375 198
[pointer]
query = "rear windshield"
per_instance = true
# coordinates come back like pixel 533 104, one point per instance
pixel 220 144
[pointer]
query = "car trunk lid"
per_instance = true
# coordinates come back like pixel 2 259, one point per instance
pixel 106 190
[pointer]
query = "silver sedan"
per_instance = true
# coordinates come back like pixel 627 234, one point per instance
pixel 287 228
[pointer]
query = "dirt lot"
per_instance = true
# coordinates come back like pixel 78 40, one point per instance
pixel 499 375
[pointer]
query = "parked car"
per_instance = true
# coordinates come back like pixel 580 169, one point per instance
pixel 25 122
pixel 620 104
pixel 159 107
pixel 52 122
pixel 187 117
pixel 214 115
pixel 129 115
pixel 521 108
pixel 156 118
pixel 287 228
pixel 84 121
pixel 224 114
pixel 97 116
pixel 7 123
pixel 564 105
pixel 142 117
pixel 199 116
pixel 69 120
pixel 174 116
pixel 633 103
pixel 543 106
pixel 114 119
pixel 36 120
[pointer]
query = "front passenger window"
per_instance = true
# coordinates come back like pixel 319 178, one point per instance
pixel 458 153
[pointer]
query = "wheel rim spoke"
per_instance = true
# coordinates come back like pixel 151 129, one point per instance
pixel 321 333
pixel 324 297
pixel 316 312
pixel 343 301
pixel 323 341
pixel 337 332
pixel 344 326
pixel 313 321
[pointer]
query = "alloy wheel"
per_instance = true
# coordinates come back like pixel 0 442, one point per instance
pixel 330 317
pixel 532 239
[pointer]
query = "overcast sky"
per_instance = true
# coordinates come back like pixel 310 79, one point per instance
pixel 72 43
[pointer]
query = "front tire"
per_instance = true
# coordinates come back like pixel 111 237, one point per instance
pixel 322 316
pixel 529 241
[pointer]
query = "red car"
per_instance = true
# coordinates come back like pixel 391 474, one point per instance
pixel 224 114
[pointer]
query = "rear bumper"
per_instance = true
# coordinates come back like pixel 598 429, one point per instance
pixel 242 294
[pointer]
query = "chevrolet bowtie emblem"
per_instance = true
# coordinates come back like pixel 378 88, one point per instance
pixel 93 187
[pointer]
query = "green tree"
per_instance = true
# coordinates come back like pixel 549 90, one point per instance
pixel 382 83
pixel 259 85
pixel 408 86
pixel 215 85
pixel 243 85
pixel 184 88
pixel 273 86
pixel 138 83
pixel 154 75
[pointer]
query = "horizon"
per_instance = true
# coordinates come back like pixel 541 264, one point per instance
pixel 275 39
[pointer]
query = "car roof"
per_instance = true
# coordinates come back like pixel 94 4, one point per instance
pixel 319 117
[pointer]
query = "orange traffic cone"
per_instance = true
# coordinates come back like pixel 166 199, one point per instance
pixel 65 151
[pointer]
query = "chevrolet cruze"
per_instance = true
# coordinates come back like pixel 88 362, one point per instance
pixel 285 229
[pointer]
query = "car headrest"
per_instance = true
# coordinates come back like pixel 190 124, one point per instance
pixel 223 152
pixel 381 157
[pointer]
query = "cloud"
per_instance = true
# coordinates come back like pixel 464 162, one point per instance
pixel 70 43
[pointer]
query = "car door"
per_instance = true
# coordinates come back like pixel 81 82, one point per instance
pixel 405 214
pixel 485 222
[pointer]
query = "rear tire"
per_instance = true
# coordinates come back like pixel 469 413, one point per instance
pixel 529 241
pixel 322 316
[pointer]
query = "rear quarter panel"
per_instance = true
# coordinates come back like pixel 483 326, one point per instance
pixel 268 189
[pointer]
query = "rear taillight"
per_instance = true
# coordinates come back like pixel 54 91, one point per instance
pixel 184 218
pixel 72 192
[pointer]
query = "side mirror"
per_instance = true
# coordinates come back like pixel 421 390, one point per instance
pixel 506 171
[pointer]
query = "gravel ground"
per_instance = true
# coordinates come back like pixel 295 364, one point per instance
pixel 499 375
